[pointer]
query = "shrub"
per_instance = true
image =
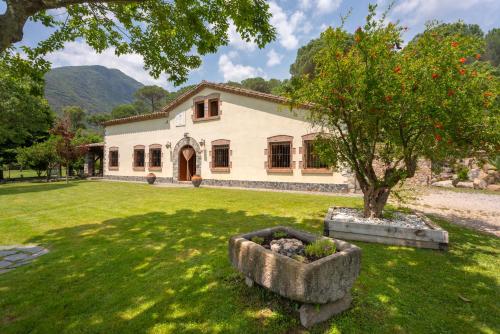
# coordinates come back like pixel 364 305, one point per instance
pixel 463 174
pixel 258 240
pixel 280 234
pixel 320 248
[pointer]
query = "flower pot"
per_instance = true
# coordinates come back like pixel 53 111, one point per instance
pixel 151 178
pixel 196 180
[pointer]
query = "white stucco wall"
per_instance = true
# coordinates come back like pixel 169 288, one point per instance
pixel 247 122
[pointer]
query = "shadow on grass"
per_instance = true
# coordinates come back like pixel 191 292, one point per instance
pixel 159 272
pixel 35 187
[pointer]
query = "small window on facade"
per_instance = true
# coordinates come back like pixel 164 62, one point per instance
pixel 311 159
pixel 113 158
pixel 139 157
pixel 214 107
pixel 220 156
pixel 200 109
pixel 280 155
pixel 155 157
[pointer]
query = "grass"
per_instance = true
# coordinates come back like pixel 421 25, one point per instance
pixel 131 258
pixel 26 173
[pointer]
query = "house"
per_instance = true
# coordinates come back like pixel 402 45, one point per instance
pixel 228 135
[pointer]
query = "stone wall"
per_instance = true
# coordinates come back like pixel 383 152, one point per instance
pixel 295 186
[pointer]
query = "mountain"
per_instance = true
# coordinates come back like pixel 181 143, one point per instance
pixel 96 89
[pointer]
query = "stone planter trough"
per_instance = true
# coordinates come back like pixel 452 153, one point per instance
pixel 323 286
pixel 424 234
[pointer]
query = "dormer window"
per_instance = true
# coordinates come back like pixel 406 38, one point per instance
pixel 213 107
pixel 206 108
pixel 200 109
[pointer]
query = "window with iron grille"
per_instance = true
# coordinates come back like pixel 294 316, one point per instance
pixel 214 107
pixel 139 158
pixel 113 158
pixel 311 158
pixel 220 156
pixel 155 157
pixel 280 155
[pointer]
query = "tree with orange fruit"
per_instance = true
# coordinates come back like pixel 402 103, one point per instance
pixel 379 102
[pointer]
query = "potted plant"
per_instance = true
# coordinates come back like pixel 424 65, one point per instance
pixel 151 178
pixel 196 180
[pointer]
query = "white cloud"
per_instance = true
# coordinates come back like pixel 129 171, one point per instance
pixel 327 6
pixel 305 4
pixel 273 58
pixel 79 53
pixel 236 41
pixel 236 72
pixel 415 13
pixel 287 27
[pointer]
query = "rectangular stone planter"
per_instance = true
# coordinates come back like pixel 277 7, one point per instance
pixel 432 237
pixel 327 281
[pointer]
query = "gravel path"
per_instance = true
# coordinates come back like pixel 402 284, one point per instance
pixel 476 210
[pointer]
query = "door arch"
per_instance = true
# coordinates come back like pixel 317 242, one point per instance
pixel 177 152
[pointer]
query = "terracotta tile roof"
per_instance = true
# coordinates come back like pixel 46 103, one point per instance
pixel 204 84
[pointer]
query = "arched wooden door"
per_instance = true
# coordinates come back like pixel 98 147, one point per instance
pixel 187 163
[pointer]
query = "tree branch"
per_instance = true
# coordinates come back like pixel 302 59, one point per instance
pixel 19 11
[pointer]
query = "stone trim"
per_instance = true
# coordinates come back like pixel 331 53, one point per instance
pixel 206 107
pixel 295 186
pixel 267 151
pixel 175 156
pixel 303 153
pixel 219 142
pixel 113 149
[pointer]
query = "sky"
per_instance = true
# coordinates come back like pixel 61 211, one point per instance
pixel 296 22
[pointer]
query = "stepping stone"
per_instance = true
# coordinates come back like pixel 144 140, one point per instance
pixel 7 252
pixel 31 249
pixel 17 257
pixel 5 264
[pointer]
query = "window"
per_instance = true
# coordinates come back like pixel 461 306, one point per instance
pixel 213 106
pixel 280 154
pixel 113 158
pixel 206 108
pixel 139 155
pixel 220 156
pixel 155 157
pixel 311 160
pixel 200 109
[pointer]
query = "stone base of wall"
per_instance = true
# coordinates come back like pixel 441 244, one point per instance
pixel 137 178
pixel 294 186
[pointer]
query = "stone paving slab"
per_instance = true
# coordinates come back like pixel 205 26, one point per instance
pixel 14 256
pixel 7 252
pixel 5 264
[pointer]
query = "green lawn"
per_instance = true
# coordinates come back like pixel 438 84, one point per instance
pixel 131 258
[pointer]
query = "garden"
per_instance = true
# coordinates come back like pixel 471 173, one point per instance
pixel 129 257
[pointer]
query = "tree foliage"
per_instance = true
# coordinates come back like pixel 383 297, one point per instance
pixel 152 96
pixel 171 36
pixel 68 150
pixel 77 117
pixel 493 46
pixel 25 116
pixel 41 157
pixel 382 105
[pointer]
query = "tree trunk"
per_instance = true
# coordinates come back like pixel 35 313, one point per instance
pixel 374 201
pixel 67 172
pixel 1 172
